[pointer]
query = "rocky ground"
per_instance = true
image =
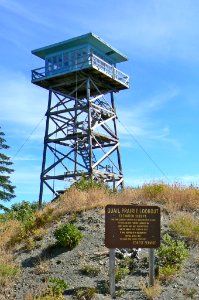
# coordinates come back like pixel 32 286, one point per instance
pixel 46 260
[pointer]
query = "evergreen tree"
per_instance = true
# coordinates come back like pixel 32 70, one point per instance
pixel 6 187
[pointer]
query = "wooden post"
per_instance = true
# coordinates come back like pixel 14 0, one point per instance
pixel 112 272
pixel 44 150
pixel 151 267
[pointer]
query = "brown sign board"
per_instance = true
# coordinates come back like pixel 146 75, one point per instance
pixel 132 226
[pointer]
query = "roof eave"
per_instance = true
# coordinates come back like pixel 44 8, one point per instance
pixel 44 51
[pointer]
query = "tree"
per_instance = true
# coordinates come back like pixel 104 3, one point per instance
pixel 6 187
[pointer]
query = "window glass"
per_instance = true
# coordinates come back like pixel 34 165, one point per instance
pixel 65 57
pixel 54 62
pixel 59 61
pixel 48 64
pixel 79 56
pixel 72 58
pixel 84 53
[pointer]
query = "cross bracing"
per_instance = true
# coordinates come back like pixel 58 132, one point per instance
pixel 82 131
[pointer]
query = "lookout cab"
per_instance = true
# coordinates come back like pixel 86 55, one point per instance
pixel 81 76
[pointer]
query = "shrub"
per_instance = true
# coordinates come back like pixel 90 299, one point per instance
pixel 68 235
pixel 30 244
pixel 84 184
pixel 171 253
pixel 167 272
pixel 120 273
pixel 23 211
pixel 57 286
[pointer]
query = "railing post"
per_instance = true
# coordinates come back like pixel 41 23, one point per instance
pixel 113 72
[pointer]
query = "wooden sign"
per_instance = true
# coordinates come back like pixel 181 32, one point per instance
pixel 128 226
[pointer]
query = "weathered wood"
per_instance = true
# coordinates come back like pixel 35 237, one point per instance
pixel 112 272
pixel 151 267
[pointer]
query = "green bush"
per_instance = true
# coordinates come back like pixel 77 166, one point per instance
pixel 167 272
pixel 23 211
pixel 57 286
pixel 171 253
pixel 120 273
pixel 84 184
pixel 68 235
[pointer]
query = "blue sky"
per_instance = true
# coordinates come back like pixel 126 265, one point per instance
pixel 160 110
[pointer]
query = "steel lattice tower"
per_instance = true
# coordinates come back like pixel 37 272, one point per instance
pixel 81 77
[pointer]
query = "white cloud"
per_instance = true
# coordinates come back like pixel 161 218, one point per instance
pixel 139 181
pixel 137 121
pixel 153 29
pixel 185 180
pixel 21 102
pixel 27 158
pixel 22 11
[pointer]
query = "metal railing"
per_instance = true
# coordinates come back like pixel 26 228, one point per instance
pixel 92 60
pixel 38 73
pixel 109 70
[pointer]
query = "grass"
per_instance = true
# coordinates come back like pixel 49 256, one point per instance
pixel 26 224
pixel 175 197
pixel 53 291
pixel 167 273
pixel 85 293
pixel 186 225
pixel 90 270
pixel 42 267
pixel 8 269
pixel 151 292
pixel 190 293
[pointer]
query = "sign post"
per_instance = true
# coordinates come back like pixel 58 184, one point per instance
pixel 151 267
pixel 128 226
pixel 112 272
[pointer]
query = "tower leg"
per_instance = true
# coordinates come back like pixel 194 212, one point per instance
pixel 118 148
pixel 44 150
pixel 89 126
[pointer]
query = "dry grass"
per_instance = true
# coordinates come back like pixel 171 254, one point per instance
pixel 32 296
pixel 186 225
pixel 8 269
pixel 151 292
pixel 42 266
pixel 74 200
pixel 175 197
pixel 8 231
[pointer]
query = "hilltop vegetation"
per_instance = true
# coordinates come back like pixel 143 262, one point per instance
pixel 24 229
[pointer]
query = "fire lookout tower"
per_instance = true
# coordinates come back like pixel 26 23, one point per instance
pixel 81 133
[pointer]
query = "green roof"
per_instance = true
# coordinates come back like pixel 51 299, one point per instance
pixel 88 38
